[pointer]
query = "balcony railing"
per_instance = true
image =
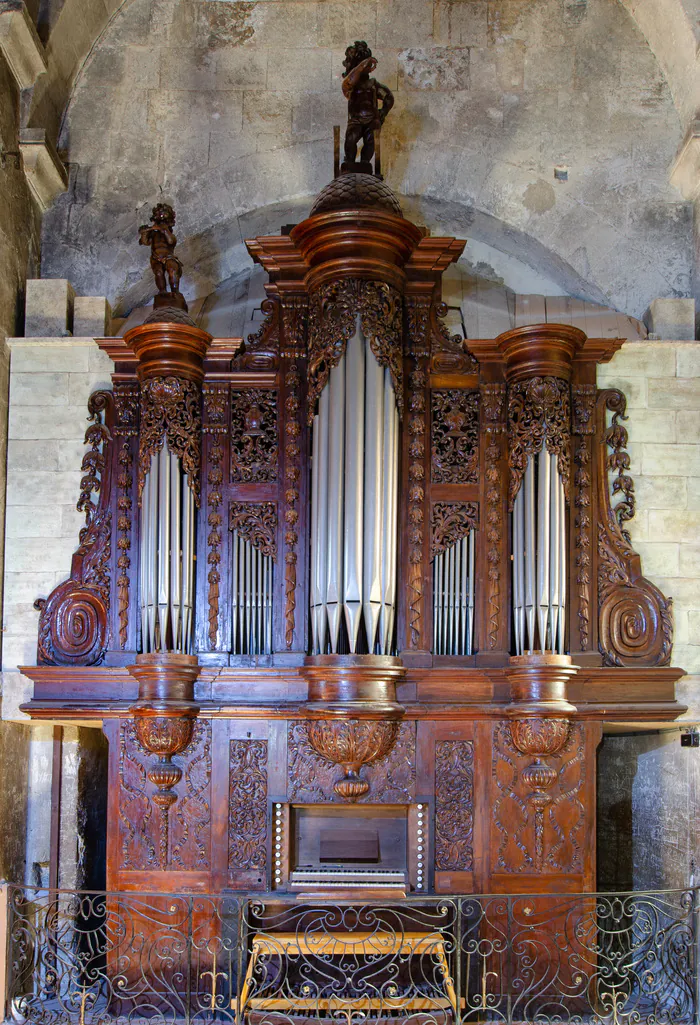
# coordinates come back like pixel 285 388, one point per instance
pixel 79 957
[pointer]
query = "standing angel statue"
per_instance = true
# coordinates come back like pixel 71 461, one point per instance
pixel 166 267
pixel 364 95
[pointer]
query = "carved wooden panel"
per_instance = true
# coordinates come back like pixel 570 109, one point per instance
pixel 552 820
pixel 450 522
pixel 254 437
pixel 454 805
pixel 310 778
pixel 190 816
pixel 247 805
pixel 454 438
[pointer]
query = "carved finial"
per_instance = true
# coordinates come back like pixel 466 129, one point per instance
pixel 365 114
pixel 166 267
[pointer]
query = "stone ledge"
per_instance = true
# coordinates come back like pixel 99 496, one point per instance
pixel 20 44
pixel 46 175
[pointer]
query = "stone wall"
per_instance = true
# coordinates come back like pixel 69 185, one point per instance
pixel 226 109
pixel 648 785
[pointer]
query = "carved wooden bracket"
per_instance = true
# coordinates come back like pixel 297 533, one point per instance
pixel 635 620
pixel 73 620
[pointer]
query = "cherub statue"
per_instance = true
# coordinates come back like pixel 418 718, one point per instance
pixel 364 94
pixel 159 236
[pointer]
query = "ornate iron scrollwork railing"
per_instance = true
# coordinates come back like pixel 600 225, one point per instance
pixel 78 957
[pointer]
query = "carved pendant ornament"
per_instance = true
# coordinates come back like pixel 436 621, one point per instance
pixel 538 413
pixel 171 413
pixel 333 310
pixel 352 743
pixel 73 619
pixel 635 620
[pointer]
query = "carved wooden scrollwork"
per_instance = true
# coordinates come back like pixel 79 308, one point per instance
pixel 454 805
pixel 247 805
pixel 538 413
pixel 256 522
pixel 261 348
pixel 73 620
pixel 295 311
pixel 451 521
pixel 333 309
pixel 171 412
pixel 254 444
pixel 449 355
pixel 635 620
pixel 454 437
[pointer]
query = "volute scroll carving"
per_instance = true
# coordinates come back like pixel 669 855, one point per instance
pixel 635 620
pixel 261 349
pixel 73 619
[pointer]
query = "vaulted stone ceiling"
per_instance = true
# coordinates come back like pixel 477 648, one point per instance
pixel 226 109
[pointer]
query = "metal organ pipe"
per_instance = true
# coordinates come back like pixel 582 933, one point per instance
pixel 167 556
pixel 354 506
pixel 453 598
pixel 539 557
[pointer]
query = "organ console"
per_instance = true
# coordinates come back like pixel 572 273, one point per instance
pixel 354 596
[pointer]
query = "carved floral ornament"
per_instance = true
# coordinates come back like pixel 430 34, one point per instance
pixel 352 743
pixel 333 311
pixel 538 414
pixel 171 414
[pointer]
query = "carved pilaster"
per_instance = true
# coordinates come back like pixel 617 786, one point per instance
pixel 214 429
pixel 583 428
pixel 417 320
pixel 493 406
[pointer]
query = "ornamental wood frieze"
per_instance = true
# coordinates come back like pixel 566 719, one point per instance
pixel 454 805
pixel 333 312
pixel 247 806
pixel 256 522
pixel 292 482
pixel 311 779
pixel 171 413
pixel 635 620
pixel 538 828
pixel 493 411
pixel 538 414
pixel 454 437
pixel 451 521
pixel 73 619
pixel 254 436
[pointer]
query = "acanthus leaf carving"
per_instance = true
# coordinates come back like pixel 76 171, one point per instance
pixel 635 620
pixel 493 407
pixel 292 482
pixel 416 497
pixel 333 311
pixel 256 522
pixel 454 437
pixel 454 805
pixel 295 312
pixel 247 807
pixel 73 619
pixel 538 414
pixel 171 413
pixel 451 521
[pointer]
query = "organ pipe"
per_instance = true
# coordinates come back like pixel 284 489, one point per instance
pixel 251 613
pixel 167 557
pixel 354 506
pixel 453 598
pixel 539 558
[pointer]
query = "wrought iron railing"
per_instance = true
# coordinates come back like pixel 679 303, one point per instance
pixel 78 957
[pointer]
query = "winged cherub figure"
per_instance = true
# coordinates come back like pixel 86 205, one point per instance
pixel 159 236
pixel 364 95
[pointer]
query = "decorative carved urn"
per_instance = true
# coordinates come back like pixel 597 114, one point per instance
pixel 164 720
pixel 352 743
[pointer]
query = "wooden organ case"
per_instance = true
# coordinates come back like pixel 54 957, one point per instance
pixel 354 598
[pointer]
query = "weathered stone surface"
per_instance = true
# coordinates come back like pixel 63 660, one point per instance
pixel 49 307
pixel 672 318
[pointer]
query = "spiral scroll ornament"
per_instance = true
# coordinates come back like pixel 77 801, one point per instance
pixel 72 627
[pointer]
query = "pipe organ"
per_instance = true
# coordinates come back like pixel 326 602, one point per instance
pixel 354 598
